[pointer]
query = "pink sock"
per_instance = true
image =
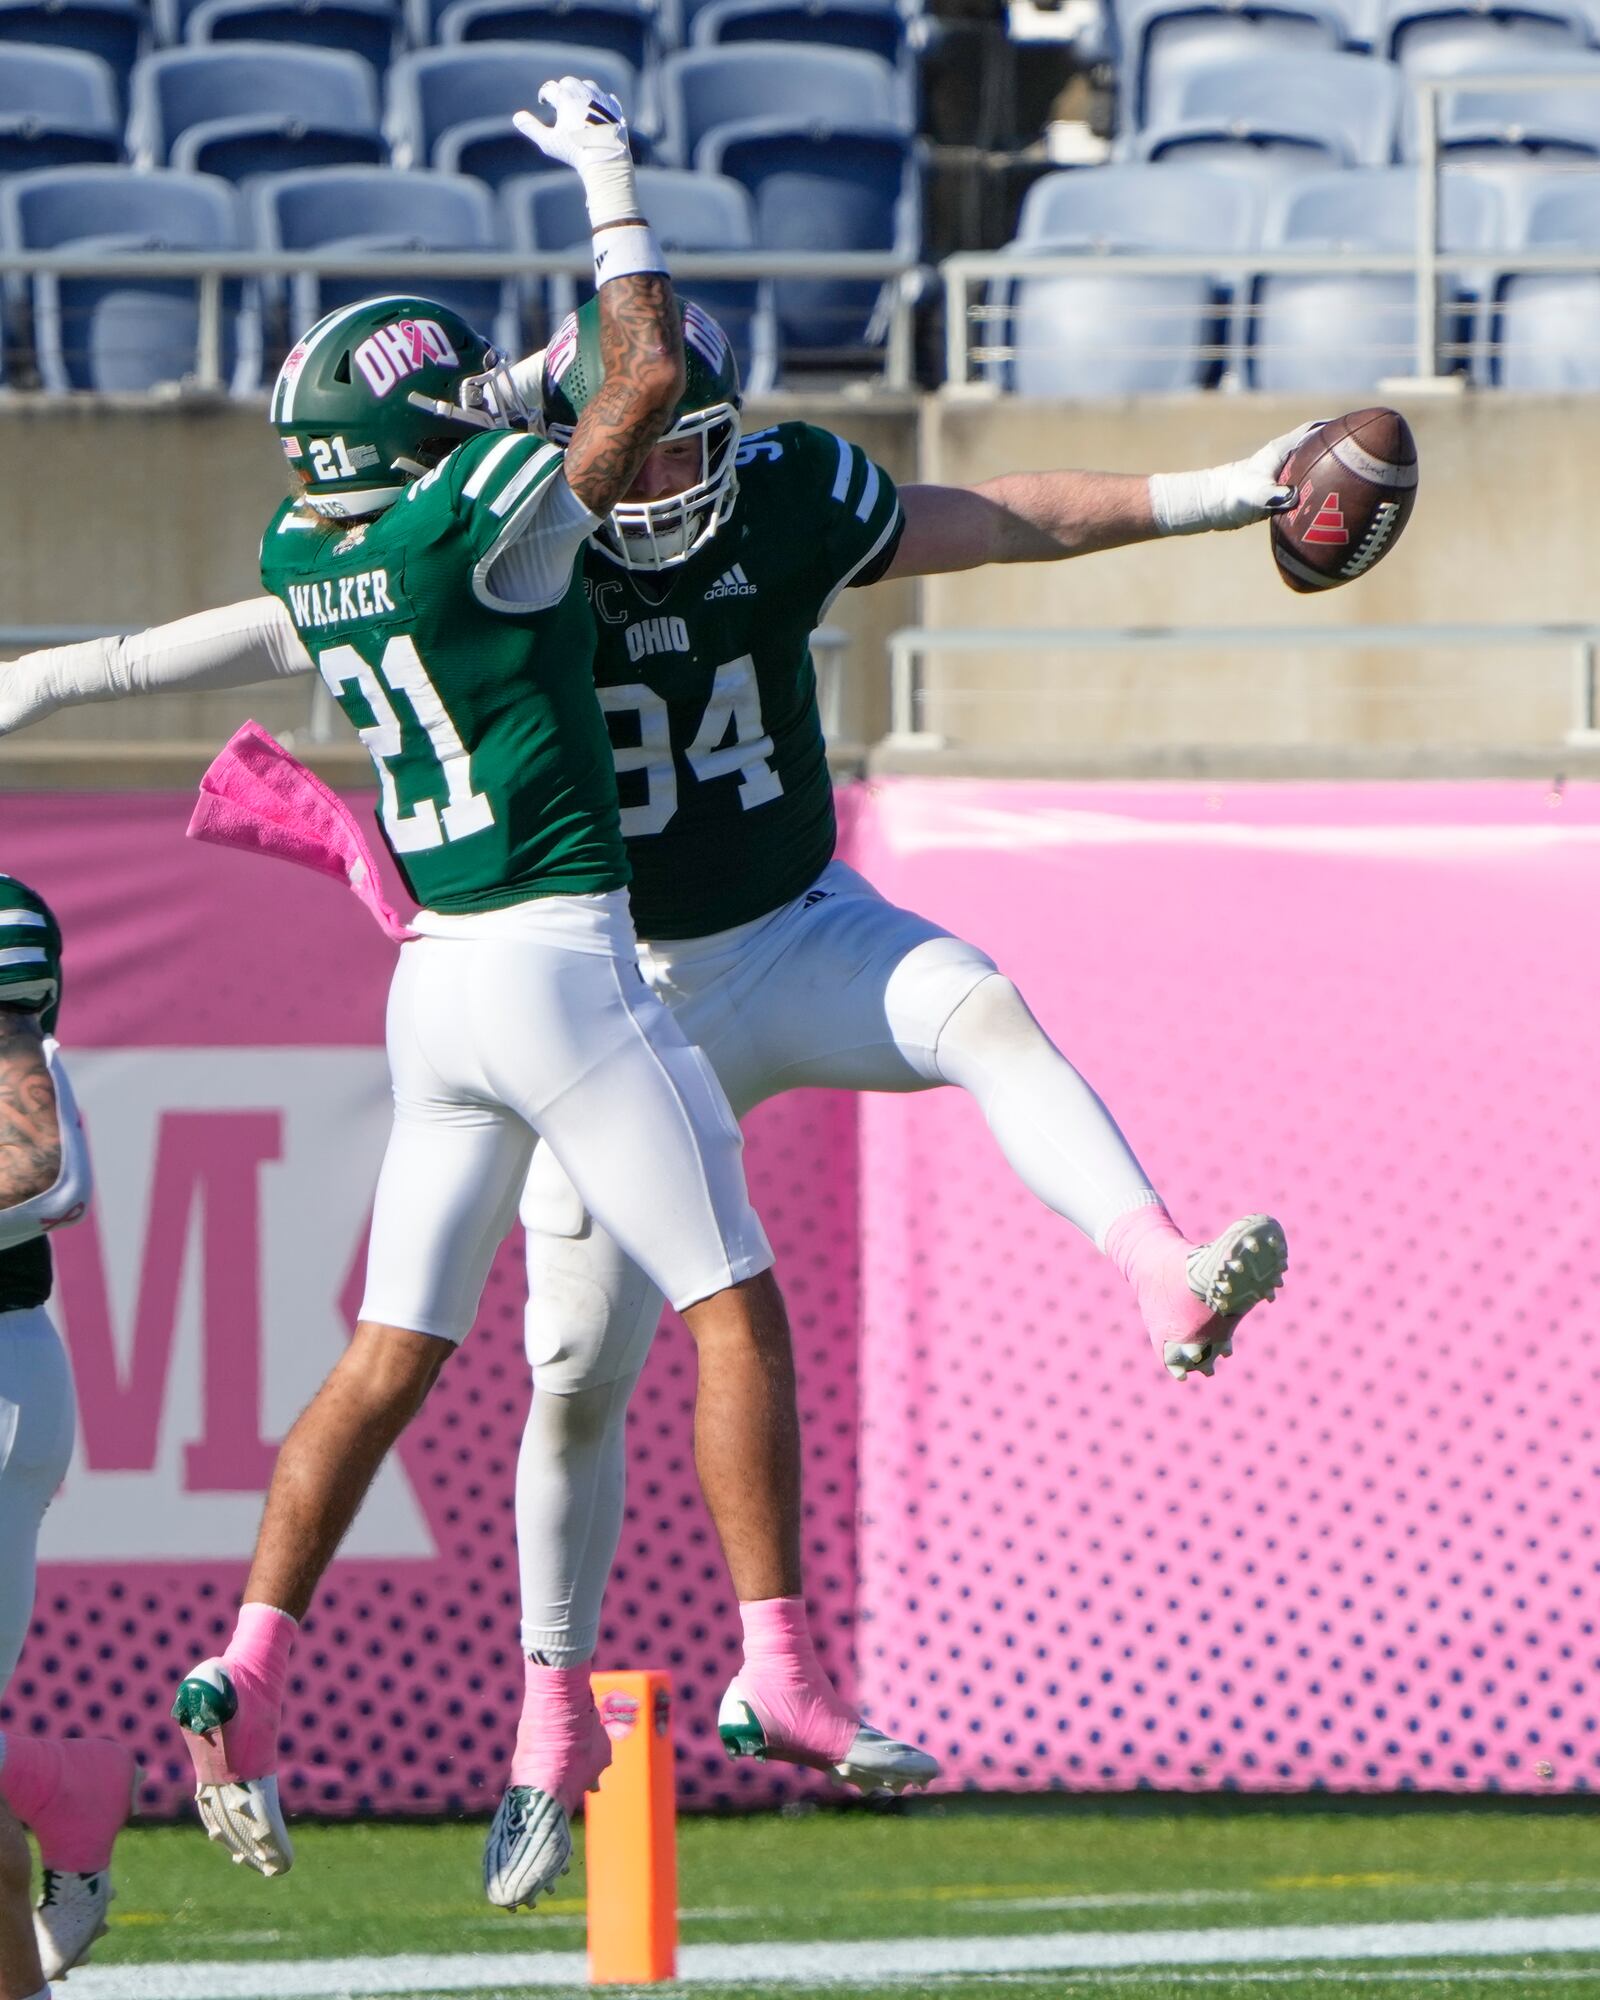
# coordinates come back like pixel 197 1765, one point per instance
pixel 1151 1252
pixel 562 1747
pixel 257 1659
pixel 75 1794
pixel 795 1702
pixel 30 1775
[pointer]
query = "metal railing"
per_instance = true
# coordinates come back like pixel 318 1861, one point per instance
pixel 909 697
pixel 975 330
pixel 902 279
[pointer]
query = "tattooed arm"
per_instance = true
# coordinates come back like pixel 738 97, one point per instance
pixel 641 351
pixel 30 1134
pixel 641 324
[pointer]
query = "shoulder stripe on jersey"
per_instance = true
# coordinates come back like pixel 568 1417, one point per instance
pixel 869 493
pixel 856 568
pixel 15 919
pixel 490 459
pixel 841 479
pixel 538 465
pixel 24 954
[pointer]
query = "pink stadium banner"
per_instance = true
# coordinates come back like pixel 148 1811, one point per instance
pixel 1360 1557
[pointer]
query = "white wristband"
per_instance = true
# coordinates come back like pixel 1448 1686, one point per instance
pixel 1183 503
pixel 627 251
pixel 609 192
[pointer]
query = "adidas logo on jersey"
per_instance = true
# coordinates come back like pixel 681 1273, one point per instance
pixel 732 583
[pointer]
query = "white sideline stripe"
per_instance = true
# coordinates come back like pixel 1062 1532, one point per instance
pixel 21 919
pixel 867 1962
pixel 24 954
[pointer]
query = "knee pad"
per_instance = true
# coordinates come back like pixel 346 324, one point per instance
pixel 590 1315
pixel 925 989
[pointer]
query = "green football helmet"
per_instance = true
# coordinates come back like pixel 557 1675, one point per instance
pixel 656 534
pixel 376 394
pixel 30 953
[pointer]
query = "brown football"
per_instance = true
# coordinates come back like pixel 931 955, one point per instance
pixel 1356 484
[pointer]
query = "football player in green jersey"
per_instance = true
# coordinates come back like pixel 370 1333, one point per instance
pixel 783 965
pixel 73 1792
pixel 430 563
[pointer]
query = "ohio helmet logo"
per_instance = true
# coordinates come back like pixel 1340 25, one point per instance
pixel 400 349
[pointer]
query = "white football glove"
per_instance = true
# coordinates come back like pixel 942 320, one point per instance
pixel 1227 496
pixel 590 135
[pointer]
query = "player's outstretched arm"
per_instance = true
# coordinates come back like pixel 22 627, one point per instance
pixel 229 647
pixel 1048 516
pixel 641 330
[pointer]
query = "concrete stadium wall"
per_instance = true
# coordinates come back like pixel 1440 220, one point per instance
pixel 1501 534
pixel 138 513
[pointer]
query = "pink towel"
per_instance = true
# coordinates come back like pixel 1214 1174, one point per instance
pixel 257 796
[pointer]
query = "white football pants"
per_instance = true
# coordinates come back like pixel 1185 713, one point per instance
pixel 536 1021
pixel 838 989
pixel 38 1420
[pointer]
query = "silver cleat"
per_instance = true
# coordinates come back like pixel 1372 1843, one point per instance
pixel 528 1850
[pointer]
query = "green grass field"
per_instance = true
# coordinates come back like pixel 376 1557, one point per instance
pixel 968 1869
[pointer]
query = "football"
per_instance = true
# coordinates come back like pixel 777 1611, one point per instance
pixel 1355 480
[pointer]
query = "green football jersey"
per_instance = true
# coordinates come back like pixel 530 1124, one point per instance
pixel 706 678
pixel 494 769
pixel 30 977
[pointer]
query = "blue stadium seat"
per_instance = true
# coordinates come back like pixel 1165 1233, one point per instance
pixel 876 27
pixel 370 29
pixel 820 186
pixel 623 28
pixel 58 107
pixel 1313 331
pixel 688 212
pixel 1106 333
pixel 124 334
pixel 116 31
pixel 1316 110
pixel 1152 207
pixel 1543 331
pixel 433 90
pixel 1509 121
pixel 242 149
pixel 702 88
pixel 1164 40
pixel 288 93
pixel 1423 32
pixel 375 209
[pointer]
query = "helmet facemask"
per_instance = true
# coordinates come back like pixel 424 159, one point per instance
pixel 661 534
pixel 487 401
pixel 653 535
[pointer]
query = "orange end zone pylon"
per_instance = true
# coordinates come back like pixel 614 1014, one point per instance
pixel 631 1836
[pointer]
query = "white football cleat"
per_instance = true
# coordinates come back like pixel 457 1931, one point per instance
pixel 241 1814
pixel 69 1917
pixel 1241 1268
pixel 528 1850
pixel 872 1763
